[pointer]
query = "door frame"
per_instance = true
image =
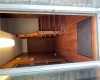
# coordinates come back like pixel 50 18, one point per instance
pixel 60 10
pixel 47 9
pixel 98 33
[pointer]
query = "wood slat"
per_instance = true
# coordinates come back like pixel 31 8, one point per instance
pixel 51 22
pixel 66 45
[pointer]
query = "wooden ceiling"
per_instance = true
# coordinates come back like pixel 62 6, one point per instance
pixel 9 15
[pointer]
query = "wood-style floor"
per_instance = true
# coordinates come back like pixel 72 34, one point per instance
pixel 33 59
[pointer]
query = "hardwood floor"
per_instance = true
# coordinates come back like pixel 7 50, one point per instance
pixel 12 63
pixel 35 59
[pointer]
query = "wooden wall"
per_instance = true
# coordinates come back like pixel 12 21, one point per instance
pixel 50 22
pixel 39 45
pixel 66 45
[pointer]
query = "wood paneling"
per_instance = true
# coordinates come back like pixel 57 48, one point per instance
pixel 40 45
pixel 50 22
pixel 66 45
pixel 94 38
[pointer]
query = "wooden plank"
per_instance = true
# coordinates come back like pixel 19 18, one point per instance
pixel 66 44
pixel 49 32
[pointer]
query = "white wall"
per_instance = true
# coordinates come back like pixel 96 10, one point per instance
pixel 25 50
pixel 22 25
pixel 9 53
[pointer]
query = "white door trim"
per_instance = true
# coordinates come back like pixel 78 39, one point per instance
pixel 46 9
pixel 98 36
pixel 49 68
